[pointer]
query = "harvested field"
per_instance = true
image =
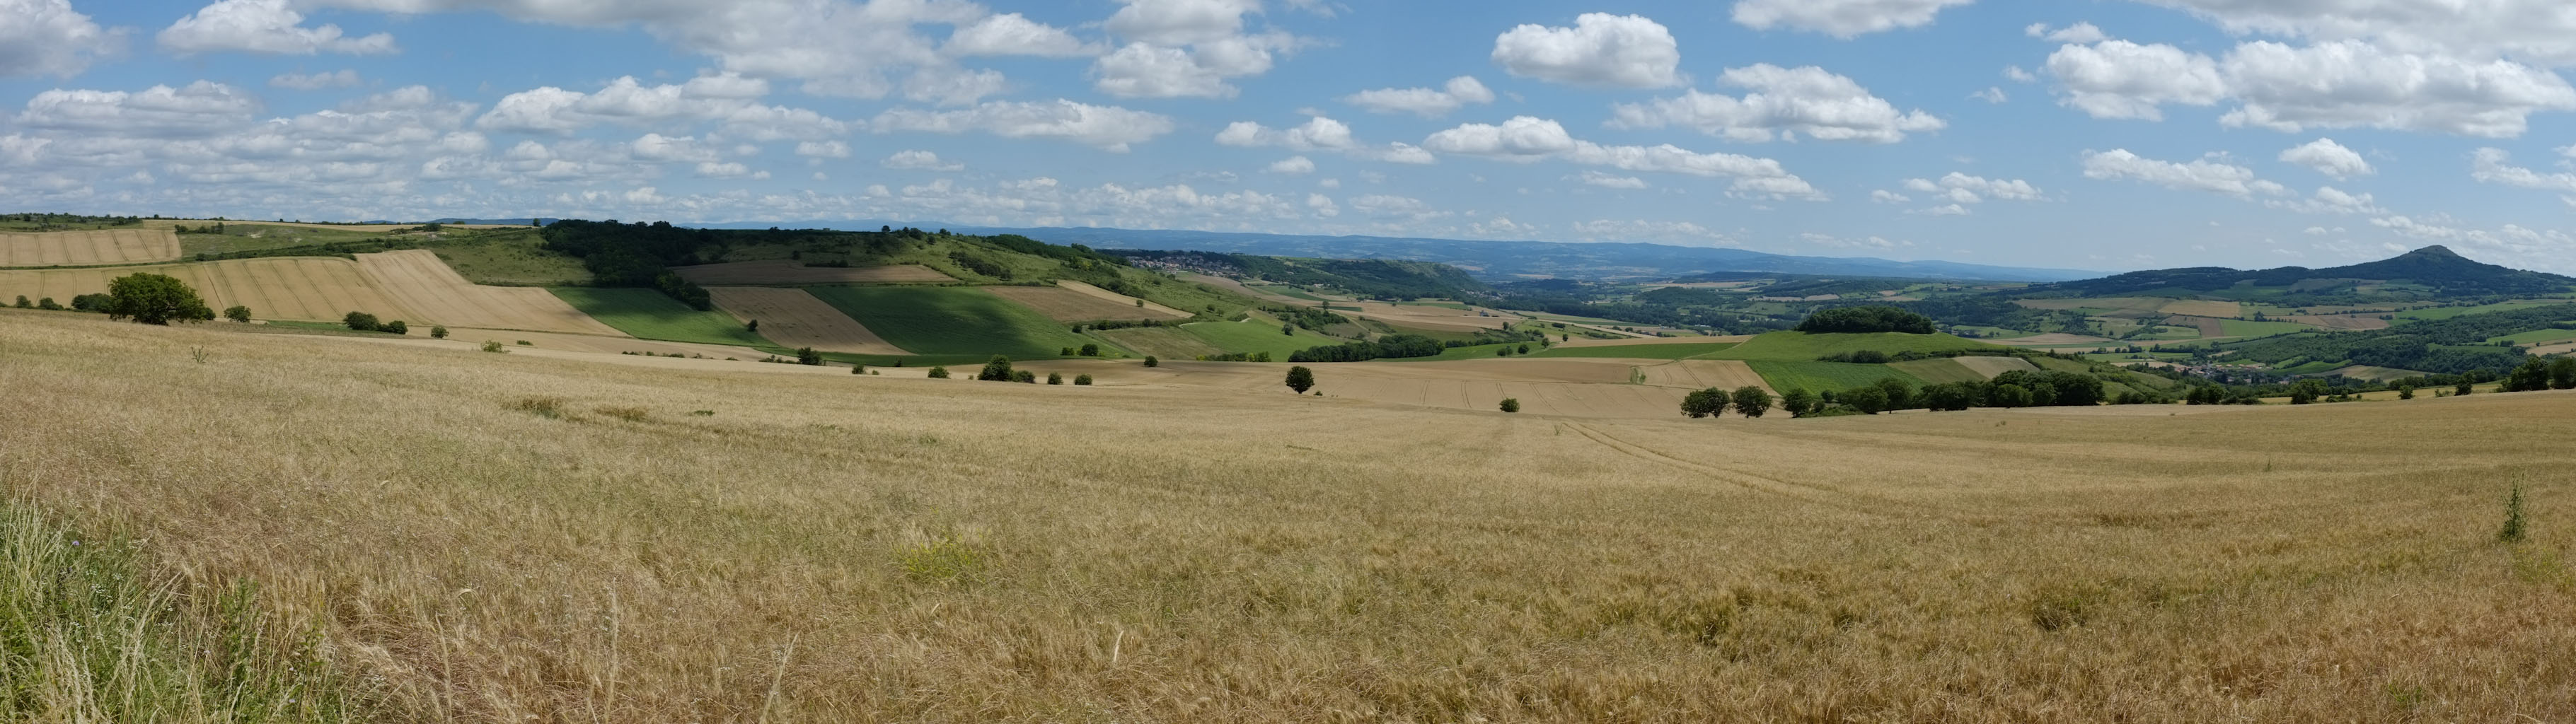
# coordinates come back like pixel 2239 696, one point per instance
pixel 2054 338
pixel 2375 374
pixel 2362 322
pixel 1991 366
pixel 1121 300
pixel 1701 374
pixel 1067 305
pixel 1937 371
pixel 78 248
pixel 588 343
pixel 2203 308
pixel 1164 342
pixel 794 318
pixel 1576 388
pixel 314 289
pixel 1636 341
pixel 426 286
pixel 789 273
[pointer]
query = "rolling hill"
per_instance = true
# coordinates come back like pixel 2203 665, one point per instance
pixel 2429 273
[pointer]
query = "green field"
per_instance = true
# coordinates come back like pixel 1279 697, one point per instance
pixel 2244 328
pixel 508 257
pixel 243 236
pixel 1808 347
pixel 1164 342
pixel 648 314
pixel 1285 291
pixel 1251 337
pixel 2536 336
pixel 1786 375
pixel 936 321
pixel 2449 312
pixel 1937 371
pixel 1677 350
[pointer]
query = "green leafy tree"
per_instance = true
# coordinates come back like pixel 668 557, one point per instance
pixel 2531 375
pixel 752 326
pixel 1066 352
pixel 1082 380
pixel 1711 402
pixel 1798 402
pixel 1900 396
pixel 155 299
pixel 1024 376
pixel 1511 404
pixel 2465 388
pixel 2562 373
pixel 437 332
pixel 1869 400
pixel 1752 401
pixel 1055 378
pixel 997 370
pixel 25 303
pixel 395 327
pixel 1090 350
pixel 1151 361
pixel 48 304
pixel 360 322
pixel 807 356
pixel 1952 397
pixel 1288 330
pixel 1301 379
pixel 2404 392
pixel 939 373
pixel 237 313
pixel 2306 392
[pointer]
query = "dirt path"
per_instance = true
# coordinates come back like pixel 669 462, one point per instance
pixel 794 318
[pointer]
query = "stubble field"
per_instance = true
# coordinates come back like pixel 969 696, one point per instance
pixel 524 538
pixel 294 288
pixel 76 248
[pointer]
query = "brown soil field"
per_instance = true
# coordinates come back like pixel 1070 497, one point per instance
pixel 1238 287
pixel 292 288
pixel 1991 366
pixel 1121 299
pixel 781 271
pixel 1701 374
pixel 2050 339
pixel 77 248
pixel 2341 321
pixel 2552 348
pixel 436 293
pixel 793 318
pixel 2203 308
pixel 823 547
pixel 1067 305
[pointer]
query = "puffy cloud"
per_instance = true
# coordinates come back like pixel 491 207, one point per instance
pixel 2331 200
pixel 1014 34
pixel 2541 31
pixel 1883 196
pixel 1839 18
pixel 1682 232
pixel 1528 139
pixel 1612 181
pixel 724 98
pixel 2545 248
pixel 1108 128
pixel 200 108
pixel 317 81
pixel 657 147
pixel 48 37
pixel 1966 189
pixel 1785 102
pixel 1180 22
pixel 1601 49
pixel 2079 33
pixel 2329 158
pixel 2340 84
pixel 1991 94
pixel 1425 102
pixel 263 26
pixel 2494 166
pixel 1293 165
pixel 1316 133
pixel 1866 243
pixel 917 160
pixel 823 149
pixel 2199 174
pixel 1185 48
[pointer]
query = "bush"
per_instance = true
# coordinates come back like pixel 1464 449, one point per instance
pixel 494 347
pixel 1301 379
pixel 997 370
pixel 1798 402
pixel 90 302
pixel 23 303
pixel 155 299
pixel 1024 376
pixel 858 369
pixel 1150 361
pixel 48 304
pixel 1082 380
pixel 1090 350
pixel 807 356
pixel 237 313
pixel 1065 352
pixel 437 332
pixel 361 322
pixel 1869 400
pixel 395 327
pixel 939 373
pixel 1055 378
pixel 1511 404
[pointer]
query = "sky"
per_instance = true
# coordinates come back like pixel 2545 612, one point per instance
pixel 2093 134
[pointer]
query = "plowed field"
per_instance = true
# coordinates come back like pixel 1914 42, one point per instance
pixel 794 318
pixel 75 248
pixel 436 293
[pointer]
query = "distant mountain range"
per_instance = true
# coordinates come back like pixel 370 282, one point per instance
pixel 1495 260
pixel 2426 273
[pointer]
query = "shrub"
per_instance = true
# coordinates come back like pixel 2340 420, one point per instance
pixel 997 370
pixel 858 369
pixel 2531 375
pixel 1090 350
pixel 1300 379
pixel 2465 388
pixel 48 304
pixel 1798 402
pixel 1752 401
pixel 1055 378
pixel 939 373
pixel 23 303
pixel 1066 352
pixel 1869 400
pixel 1024 376
pixel 807 356
pixel 395 327
pixel 155 299
pixel 437 332
pixel 360 322
pixel 2562 373
pixel 752 326
pixel 2404 392
pixel 494 347
pixel 1511 404
pixel 2515 527
pixel 90 302
pixel 1082 379
pixel 1150 361
pixel 237 313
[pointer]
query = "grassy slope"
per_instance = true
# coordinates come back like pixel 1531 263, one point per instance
pixel 1250 337
pixel 251 236
pixel 941 321
pixel 1678 350
pixel 1807 347
pixel 1785 375
pixel 2247 328
pixel 1937 371
pixel 647 314
pixel 509 257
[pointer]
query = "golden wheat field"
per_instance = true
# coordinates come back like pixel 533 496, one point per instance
pixel 101 246
pixel 297 288
pixel 516 537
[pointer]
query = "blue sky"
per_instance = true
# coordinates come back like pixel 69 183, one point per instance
pixel 2095 134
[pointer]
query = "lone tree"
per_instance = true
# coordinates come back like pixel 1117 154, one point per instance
pixel 155 299
pixel 1511 404
pixel 997 370
pixel 1711 402
pixel 237 313
pixel 437 332
pixel 1752 401
pixel 1301 379
pixel 1151 361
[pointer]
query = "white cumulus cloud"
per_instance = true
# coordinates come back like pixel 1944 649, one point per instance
pixel 263 26
pixel 1425 102
pixel 2327 157
pixel 1785 103
pixel 2196 175
pixel 317 81
pixel 2338 84
pixel 48 37
pixel 1108 128
pixel 1839 18
pixel 918 160
pixel 1528 139
pixel 1628 51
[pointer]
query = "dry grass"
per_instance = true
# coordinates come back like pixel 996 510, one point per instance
pixel 298 288
pixel 102 246
pixel 420 282
pixel 840 548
